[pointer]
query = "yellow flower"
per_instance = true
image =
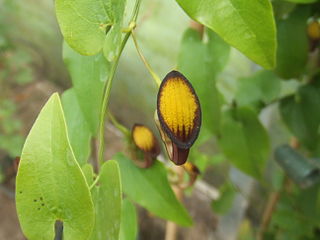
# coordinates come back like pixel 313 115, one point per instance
pixel 178 116
pixel 146 144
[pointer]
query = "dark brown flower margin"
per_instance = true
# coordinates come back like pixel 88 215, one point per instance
pixel 178 149
pixel 148 156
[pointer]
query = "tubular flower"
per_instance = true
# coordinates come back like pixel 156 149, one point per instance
pixel 178 116
pixel 147 146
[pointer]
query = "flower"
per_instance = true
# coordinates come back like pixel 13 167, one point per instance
pixel 146 144
pixel 178 116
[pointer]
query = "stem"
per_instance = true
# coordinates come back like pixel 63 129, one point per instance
pixel 108 86
pixel 118 125
pixel 172 227
pixel 94 154
pixel 152 73
pixel 94 182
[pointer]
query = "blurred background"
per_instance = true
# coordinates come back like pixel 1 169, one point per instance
pixel 31 69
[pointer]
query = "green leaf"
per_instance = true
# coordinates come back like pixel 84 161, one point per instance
pixel 302 1
pixel 150 188
pixel 87 171
pixel 107 198
pixel 244 141
pixel 88 75
pixel 262 86
pixel 84 24
pixel 301 170
pixel 246 25
pixel 224 203
pixel 301 114
pixel 129 227
pixel 78 128
pixel 296 214
pixel 50 185
pixel 293 44
pixel 282 8
pixel 201 66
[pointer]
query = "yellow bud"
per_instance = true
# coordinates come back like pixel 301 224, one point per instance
pixel 314 30
pixel 179 115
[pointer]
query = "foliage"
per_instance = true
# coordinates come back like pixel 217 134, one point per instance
pixel 239 23
pixel 160 199
pixel 55 170
pixel 50 185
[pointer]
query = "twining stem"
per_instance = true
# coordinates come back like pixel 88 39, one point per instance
pixel 108 85
pixel 152 73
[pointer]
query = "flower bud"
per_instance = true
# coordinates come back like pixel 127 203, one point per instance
pixel 147 146
pixel 178 116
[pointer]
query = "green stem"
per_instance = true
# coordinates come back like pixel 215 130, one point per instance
pixel 118 125
pixel 152 73
pixel 108 86
pixel 94 182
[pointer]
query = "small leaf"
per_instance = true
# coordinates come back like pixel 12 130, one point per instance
pixel 244 141
pixel 201 66
pixel 301 170
pixel 84 24
pixel 88 75
pixel 263 86
pixel 129 227
pixel 224 203
pixel 50 185
pixel 78 129
pixel 107 198
pixel 150 188
pixel 300 114
pixel 246 25
pixel 293 44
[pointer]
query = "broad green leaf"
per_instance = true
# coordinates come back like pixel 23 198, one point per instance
pixel 224 203
pixel 85 25
pixel 201 65
pixel 263 86
pixel 107 198
pixel 128 229
pixel 246 25
pixel 292 53
pixel 88 74
pixel 150 189
pixel 50 185
pixel 244 141
pixel 301 114
pixel 78 128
